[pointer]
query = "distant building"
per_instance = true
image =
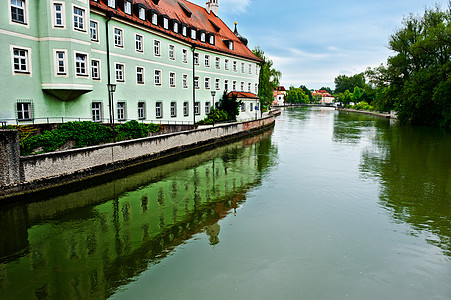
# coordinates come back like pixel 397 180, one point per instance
pixel 250 107
pixel 326 97
pixel 279 96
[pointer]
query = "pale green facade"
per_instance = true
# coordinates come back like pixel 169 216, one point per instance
pixel 47 87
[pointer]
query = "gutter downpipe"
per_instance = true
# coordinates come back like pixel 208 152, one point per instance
pixel 193 48
pixel 109 15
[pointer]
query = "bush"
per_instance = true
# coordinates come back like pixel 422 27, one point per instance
pixel 363 105
pixel 215 116
pixel 131 130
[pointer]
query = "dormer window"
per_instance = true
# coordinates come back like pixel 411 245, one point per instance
pixel 231 45
pixel 142 13
pixel 165 23
pixel 128 7
pixel 212 39
pixel 175 27
pixel 112 3
pixel 193 33
pixel 184 30
pixel 154 18
pixel 202 37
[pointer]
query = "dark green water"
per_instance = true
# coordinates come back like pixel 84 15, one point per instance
pixel 327 206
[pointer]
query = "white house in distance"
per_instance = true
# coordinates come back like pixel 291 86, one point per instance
pixel 250 107
pixel 279 96
pixel 326 97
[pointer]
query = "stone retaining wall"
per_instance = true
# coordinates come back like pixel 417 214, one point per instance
pixel 56 168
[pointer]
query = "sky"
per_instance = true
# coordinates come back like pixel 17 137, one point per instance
pixel 312 42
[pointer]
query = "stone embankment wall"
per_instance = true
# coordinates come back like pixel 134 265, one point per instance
pixel 391 115
pixel 28 173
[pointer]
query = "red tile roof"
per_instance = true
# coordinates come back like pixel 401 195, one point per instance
pixel 200 19
pixel 243 95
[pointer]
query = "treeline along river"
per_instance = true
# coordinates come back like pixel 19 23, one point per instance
pixel 328 205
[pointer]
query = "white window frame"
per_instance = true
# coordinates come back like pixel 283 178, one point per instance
pixel 231 45
pixel 159 109
pixel 202 37
pixel 186 108
pixel 27 60
pixel 24 11
pixel 184 30
pixel 197 108
pixel 196 82
pixel 94 32
pixel 140 71
pixel 242 67
pixel 128 8
pixel 250 69
pixel 97 61
pixel 121 108
pixel 217 83
pixel 185 56
pixel 175 27
pixel 141 110
pixel 157 77
pixel 207 107
pixel 96 112
pixel 235 66
pixel 22 108
pixel 212 39
pixel 119 72
pixel 77 74
pixel 78 21
pixel 118 36
pixel 218 63
pixel 55 14
pixel 234 86
pixel 112 3
pixel 139 42
pixel 243 107
pixel 242 86
pixel 172 79
pixel 207 83
pixel 226 64
pixel 57 60
pixel 173 109
pixel 171 52
pixel 207 61
pixel 157 48
pixel 165 23
pixel 256 88
pixel 185 81
pixel 196 58
pixel 142 13
pixel 154 18
pixel 226 84
pixel 193 34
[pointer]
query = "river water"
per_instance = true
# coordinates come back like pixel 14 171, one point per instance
pixel 328 205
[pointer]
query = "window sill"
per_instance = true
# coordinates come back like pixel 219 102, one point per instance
pixel 82 75
pixel 19 22
pixel 80 29
pixel 21 72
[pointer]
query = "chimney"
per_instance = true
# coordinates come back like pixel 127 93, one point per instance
pixel 212 6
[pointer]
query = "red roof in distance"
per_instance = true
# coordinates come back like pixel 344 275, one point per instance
pixel 243 95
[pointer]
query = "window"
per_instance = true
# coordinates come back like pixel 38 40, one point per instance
pixel 142 13
pixel 154 19
pixel 207 60
pixel 217 83
pixel 139 75
pixel 242 86
pixel 158 109
pixel 212 39
pixel 231 45
pixel 121 111
pixel 256 69
pixel 249 87
pixel 218 63
pixel 80 64
pixel 117 37
pixel 226 64
pixel 58 14
pixel 156 48
pixel 243 107
pixel 128 7
pixel 119 72
pixel 226 85
pixel 139 43
pixel 175 27
pixel 250 69
pixel 256 88
pixel 207 83
pixel 242 67
pixel 141 110
pixel 112 3
pixel 95 69
pixel 234 66
pixel 185 55
pixel 234 85
pixel 172 79
pixel 171 52
pixel 193 34
pixel 207 108
pixel 185 81
pixel 202 37
pixel 196 59
pixel 96 109
pixel 18 11
pixel 165 23
pixel 60 62
pixel 93 30
pixel 24 111
pixel 196 82
pixel 173 109
pixel 157 77
pixel 196 108
pixel 79 19
pixel 184 30
pixel 250 107
pixel 185 108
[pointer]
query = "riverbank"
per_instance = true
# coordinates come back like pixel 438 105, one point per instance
pixel 26 174
pixel 391 115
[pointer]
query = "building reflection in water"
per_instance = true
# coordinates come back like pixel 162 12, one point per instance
pixel 88 243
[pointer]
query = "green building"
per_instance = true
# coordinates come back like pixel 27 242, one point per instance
pixel 165 61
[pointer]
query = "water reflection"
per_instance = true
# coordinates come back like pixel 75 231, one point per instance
pixel 413 168
pixel 88 243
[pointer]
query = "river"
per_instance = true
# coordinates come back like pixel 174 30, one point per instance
pixel 327 205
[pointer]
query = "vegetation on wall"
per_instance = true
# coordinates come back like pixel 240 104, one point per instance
pixel 228 110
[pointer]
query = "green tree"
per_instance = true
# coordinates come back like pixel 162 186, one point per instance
pixel 296 95
pixel 230 105
pixel 343 82
pixel 327 89
pixel 268 78
pixel 307 92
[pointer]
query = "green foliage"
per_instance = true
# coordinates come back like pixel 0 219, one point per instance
pixel 296 95
pixel 131 130
pixel 215 116
pixel 363 105
pixel 268 78
pixel 230 105
pixel 416 81
pixel 343 82
pixel 327 89
pixel 307 92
